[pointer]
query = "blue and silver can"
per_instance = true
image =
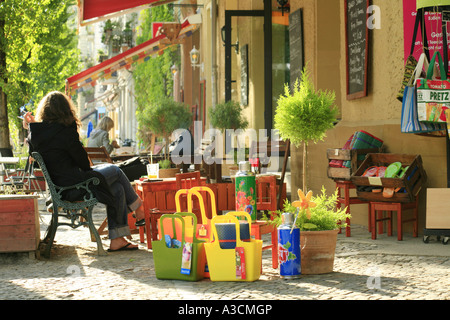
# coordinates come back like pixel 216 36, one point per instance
pixel 289 255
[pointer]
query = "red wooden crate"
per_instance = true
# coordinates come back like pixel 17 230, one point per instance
pixel 410 184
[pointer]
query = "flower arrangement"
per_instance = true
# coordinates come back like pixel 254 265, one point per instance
pixel 246 202
pixel 317 213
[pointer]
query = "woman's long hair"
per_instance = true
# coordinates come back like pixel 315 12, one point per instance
pixel 59 108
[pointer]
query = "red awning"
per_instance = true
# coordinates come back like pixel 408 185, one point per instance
pixel 138 54
pixel 91 11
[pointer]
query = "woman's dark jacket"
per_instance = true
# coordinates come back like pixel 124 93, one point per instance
pixel 65 158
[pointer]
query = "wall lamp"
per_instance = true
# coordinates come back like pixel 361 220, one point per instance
pixel 236 46
pixel 284 6
pixel 174 69
pixel 195 58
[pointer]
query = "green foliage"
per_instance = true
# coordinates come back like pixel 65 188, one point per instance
pixel 306 114
pixel 324 216
pixel 164 116
pixel 165 164
pixel 153 78
pixel 228 115
pixel 40 44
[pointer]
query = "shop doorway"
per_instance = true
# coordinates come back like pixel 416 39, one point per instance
pixel 232 48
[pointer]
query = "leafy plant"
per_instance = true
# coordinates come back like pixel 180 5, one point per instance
pixel 165 116
pixel 38 44
pixel 228 115
pixel 165 164
pixel 7 190
pixel 305 115
pixel 153 79
pixel 323 216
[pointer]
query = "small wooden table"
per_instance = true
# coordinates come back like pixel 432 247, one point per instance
pixel 156 194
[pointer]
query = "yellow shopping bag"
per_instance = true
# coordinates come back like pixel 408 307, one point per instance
pixel 242 263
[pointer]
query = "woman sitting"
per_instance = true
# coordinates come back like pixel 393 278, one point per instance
pixel 99 136
pixel 54 134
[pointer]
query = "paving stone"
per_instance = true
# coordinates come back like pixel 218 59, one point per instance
pixel 364 269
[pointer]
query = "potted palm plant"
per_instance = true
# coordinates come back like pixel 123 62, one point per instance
pixel 319 221
pixel 163 118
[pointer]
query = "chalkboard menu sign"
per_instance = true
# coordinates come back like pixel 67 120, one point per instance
pixel 296 45
pixel 356 40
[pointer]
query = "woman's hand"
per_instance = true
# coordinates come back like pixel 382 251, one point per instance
pixel 115 144
pixel 27 118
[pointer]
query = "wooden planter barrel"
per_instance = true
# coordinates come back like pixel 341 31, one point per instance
pixel 19 223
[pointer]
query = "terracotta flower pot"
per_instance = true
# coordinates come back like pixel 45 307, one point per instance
pixel 168 173
pixel 317 251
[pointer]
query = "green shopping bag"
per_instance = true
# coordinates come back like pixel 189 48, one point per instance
pixel 433 96
pixel 176 259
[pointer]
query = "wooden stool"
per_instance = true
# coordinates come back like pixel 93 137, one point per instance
pixel 346 201
pixel 389 207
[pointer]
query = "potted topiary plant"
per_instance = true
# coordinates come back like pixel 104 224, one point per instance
pixel 319 221
pixel 228 115
pixel 163 118
pixel 305 115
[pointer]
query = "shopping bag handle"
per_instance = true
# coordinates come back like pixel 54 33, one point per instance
pixel 178 194
pixel 194 220
pixel 172 216
pixel 212 198
pixel 423 62
pixel 441 67
pixel 242 214
pixel 226 219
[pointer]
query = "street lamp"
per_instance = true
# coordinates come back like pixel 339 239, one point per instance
pixel 174 69
pixel 236 46
pixel 195 57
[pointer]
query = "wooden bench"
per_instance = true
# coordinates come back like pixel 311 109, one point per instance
pixel 77 213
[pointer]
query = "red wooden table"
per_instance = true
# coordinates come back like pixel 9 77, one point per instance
pixel 156 194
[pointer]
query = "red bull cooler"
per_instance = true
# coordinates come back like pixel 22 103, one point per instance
pixel 289 255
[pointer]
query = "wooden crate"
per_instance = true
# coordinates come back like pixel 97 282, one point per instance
pixel 411 183
pixel 351 155
pixel 19 223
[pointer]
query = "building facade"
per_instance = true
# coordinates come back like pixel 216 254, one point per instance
pixel 267 67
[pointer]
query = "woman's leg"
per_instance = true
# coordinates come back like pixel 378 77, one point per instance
pixel 125 200
pixel 113 174
pixel 118 227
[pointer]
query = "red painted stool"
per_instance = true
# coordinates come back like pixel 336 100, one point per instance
pixel 389 207
pixel 346 200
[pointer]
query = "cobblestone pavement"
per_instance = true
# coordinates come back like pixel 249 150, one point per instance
pixel 364 269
